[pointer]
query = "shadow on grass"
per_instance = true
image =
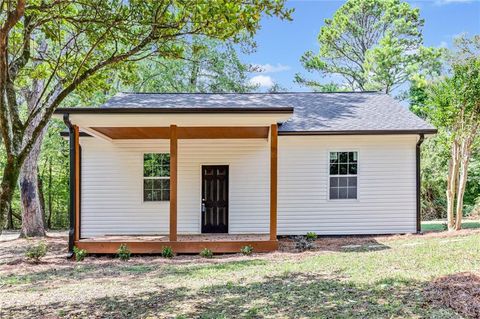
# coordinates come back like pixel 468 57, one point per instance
pixel 365 245
pixel 115 269
pixel 294 295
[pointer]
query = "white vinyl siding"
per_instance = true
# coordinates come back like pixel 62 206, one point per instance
pixel 112 189
pixel 112 186
pixel 386 197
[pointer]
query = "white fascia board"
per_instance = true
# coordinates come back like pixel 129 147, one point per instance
pixel 163 120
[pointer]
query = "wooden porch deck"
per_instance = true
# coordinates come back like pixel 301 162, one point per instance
pixel 188 244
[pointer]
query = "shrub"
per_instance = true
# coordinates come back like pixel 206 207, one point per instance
pixel 36 251
pixel 311 235
pixel 167 252
pixel 247 250
pixel 123 252
pixel 206 253
pixel 302 244
pixel 80 254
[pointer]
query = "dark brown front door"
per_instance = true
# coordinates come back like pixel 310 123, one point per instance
pixel 215 199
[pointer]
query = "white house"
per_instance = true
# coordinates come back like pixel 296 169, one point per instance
pixel 156 170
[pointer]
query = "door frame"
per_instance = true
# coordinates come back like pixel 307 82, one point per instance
pixel 200 167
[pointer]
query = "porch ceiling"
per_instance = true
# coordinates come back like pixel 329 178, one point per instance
pixel 184 132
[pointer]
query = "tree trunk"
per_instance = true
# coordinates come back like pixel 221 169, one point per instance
pixel 50 205
pixel 452 180
pixel 41 195
pixel 33 224
pixel 460 192
pixel 33 217
pixel 465 160
pixel 10 218
pixel 8 184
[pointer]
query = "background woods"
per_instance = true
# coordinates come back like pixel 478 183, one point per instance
pixel 452 103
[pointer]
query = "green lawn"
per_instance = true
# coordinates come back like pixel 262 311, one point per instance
pixel 441 226
pixel 385 277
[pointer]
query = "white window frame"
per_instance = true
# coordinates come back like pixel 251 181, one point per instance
pixel 153 178
pixel 347 175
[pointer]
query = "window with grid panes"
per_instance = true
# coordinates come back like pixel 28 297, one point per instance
pixel 343 175
pixel 156 177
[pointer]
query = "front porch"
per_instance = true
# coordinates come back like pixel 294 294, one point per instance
pixel 217 243
pixel 248 222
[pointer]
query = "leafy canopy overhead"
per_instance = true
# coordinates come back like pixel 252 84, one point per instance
pixel 370 45
pixel 55 47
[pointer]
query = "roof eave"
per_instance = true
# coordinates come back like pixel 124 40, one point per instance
pixel 361 132
pixel 172 110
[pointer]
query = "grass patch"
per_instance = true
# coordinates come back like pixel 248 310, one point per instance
pixel 384 278
pixel 440 226
pixel 138 269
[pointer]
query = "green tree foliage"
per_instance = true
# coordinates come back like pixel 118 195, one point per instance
pixel 54 176
pixel 417 95
pixel 370 45
pixel 49 49
pixel 155 74
pixel 320 87
pixel 276 88
pixel 435 159
pixel 452 103
pixel 206 66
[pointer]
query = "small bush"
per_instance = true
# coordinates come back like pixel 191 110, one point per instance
pixel 247 250
pixel 167 252
pixel 302 244
pixel 206 253
pixel 80 254
pixel 36 251
pixel 123 252
pixel 311 235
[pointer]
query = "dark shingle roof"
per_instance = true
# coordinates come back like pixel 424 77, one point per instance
pixel 196 100
pixel 313 112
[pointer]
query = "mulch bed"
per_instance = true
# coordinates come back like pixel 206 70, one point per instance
pixel 461 292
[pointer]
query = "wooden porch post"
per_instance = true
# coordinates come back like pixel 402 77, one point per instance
pixel 76 134
pixel 273 181
pixel 173 182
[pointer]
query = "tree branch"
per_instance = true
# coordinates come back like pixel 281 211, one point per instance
pixel 13 17
pixel 74 84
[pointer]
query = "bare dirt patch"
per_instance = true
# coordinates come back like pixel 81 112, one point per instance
pixel 461 292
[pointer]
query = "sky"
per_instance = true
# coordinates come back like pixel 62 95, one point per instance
pixel 280 44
